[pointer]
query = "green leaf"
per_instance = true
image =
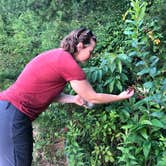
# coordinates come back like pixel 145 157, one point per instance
pixel 126 113
pixel 146 149
pixel 119 85
pixel 139 103
pixel 153 71
pixel 94 76
pixel 124 58
pixel 128 32
pixel 157 114
pixel 142 12
pixel 147 122
pixel 144 71
pixel 119 66
pixel 100 74
pixel 130 21
pixel 124 76
pixel 148 85
pixel 133 53
pixel 154 60
pixel 140 23
pixel 140 63
pixel 144 133
pixel 113 67
pixel 111 86
pixel 157 123
pixel 164 84
pixel 127 126
pixel 134 43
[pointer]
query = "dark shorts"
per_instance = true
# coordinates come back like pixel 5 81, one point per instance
pixel 16 141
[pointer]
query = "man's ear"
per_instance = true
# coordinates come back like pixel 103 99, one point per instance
pixel 80 46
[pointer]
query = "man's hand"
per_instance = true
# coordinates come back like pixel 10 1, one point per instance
pixel 81 102
pixel 126 94
pixel 76 99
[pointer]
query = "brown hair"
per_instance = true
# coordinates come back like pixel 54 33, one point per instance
pixel 84 35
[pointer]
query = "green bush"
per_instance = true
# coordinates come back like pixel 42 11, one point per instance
pixel 129 132
pixel 130 52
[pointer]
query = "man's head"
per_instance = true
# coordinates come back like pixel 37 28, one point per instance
pixel 79 43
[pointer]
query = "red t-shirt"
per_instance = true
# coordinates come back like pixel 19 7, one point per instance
pixel 43 78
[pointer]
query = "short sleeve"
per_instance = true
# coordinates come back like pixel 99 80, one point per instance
pixel 70 69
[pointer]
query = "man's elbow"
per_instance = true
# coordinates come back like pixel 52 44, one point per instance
pixel 94 98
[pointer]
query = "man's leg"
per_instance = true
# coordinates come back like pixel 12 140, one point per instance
pixel 16 142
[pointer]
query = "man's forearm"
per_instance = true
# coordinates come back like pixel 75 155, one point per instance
pixel 65 98
pixel 101 98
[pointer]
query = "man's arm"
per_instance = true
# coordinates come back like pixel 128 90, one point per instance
pixel 65 98
pixel 85 90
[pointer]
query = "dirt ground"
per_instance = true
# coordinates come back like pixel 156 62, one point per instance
pixel 51 153
pixel 56 155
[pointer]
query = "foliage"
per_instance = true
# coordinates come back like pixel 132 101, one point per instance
pixel 49 144
pixel 130 52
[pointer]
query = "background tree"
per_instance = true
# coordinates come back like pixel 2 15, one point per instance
pixel 130 51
